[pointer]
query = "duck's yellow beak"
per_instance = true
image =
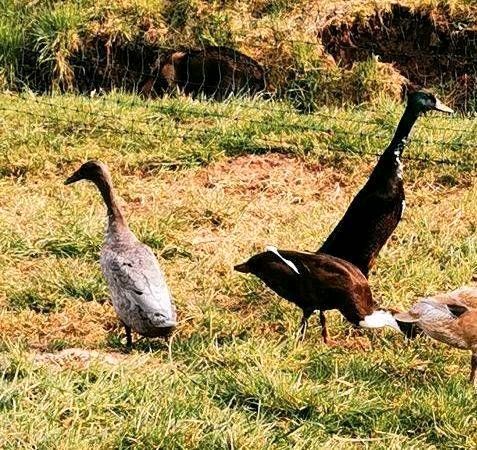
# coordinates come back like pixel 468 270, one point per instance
pixel 443 108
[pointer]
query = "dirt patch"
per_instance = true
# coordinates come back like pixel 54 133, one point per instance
pixel 271 175
pixel 85 324
pixel 426 45
pixel 78 357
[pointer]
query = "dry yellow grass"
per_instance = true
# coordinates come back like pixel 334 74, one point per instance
pixel 226 211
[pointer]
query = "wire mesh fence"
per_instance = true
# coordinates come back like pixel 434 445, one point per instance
pixel 214 71
pixel 273 126
pixel 48 56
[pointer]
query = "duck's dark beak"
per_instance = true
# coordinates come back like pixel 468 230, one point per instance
pixel 242 268
pixel 405 317
pixel 74 178
pixel 439 106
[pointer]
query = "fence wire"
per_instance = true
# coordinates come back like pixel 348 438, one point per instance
pixel 107 66
pixel 166 112
pixel 140 68
pixel 177 130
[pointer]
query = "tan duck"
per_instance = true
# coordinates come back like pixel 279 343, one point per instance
pixel 450 318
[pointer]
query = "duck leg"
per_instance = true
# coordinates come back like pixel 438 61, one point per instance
pixel 324 330
pixel 304 323
pixel 128 336
pixel 473 368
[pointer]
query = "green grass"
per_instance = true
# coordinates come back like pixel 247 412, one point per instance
pixel 206 185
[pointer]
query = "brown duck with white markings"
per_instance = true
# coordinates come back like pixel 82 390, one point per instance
pixel 449 318
pixel 319 282
pixel 378 207
pixel 138 288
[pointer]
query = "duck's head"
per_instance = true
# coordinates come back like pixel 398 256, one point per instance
pixel 91 170
pixel 421 102
pixel 257 264
pixel 251 266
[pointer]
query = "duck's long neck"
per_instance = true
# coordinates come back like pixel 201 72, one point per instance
pixel 403 130
pixel 390 160
pixel 116 220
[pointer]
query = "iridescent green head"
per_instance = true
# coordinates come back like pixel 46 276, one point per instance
pixel 421 102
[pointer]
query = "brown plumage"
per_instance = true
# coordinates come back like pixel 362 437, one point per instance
pixel 213 71
pixel 318 282
pixel 449 318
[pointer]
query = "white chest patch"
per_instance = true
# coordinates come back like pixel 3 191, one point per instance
pixel 403 207
pixel 399 165
pixel 290 264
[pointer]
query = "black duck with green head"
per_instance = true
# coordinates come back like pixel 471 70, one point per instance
pixel 378 207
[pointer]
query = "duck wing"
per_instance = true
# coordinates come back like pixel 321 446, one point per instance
pixel 433 310
pixel 135 277
pixel 466 295
pixel 347 288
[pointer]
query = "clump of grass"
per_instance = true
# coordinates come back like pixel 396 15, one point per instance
pixel 12 43
pixel 372 80
pixel 34 299
pixel 214 29
pixel 57 38
pixel 321 82
pixel 178 13
pixel 273 7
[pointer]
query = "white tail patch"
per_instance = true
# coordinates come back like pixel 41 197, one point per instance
pixel 380 319
pixel 272 249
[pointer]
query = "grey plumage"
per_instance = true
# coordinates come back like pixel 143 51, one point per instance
pixel 139 291
pixel 138 288
pixel 437 319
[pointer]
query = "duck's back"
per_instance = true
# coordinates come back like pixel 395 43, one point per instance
pixel 466 295
pixel 138 288
pixel 446 320
pixel 323 282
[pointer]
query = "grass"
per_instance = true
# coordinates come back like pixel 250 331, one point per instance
pixel 206 185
